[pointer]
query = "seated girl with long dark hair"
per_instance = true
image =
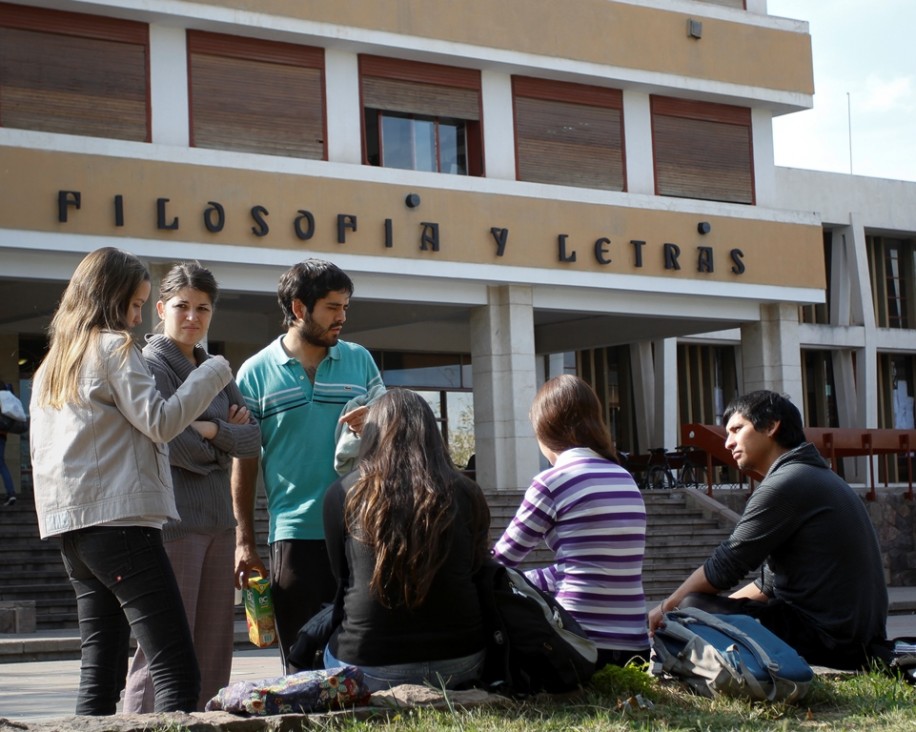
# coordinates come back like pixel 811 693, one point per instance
pixel 405 534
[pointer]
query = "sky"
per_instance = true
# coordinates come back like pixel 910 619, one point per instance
pixel 864 84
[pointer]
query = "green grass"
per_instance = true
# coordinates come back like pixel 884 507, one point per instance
pixel 866 702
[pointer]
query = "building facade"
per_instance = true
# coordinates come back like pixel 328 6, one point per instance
pixel 516 189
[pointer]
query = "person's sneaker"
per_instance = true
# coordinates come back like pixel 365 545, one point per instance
pixel 10 501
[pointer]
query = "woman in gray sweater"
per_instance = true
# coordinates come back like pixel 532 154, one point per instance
pixel 201 546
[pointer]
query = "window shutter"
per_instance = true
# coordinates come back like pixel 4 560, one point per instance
pixel 256 96
pixel 569 134
pixel 395 85
pixel 73 73
pixel 702 150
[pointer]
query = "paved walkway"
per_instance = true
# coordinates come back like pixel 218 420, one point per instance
pixel 40 690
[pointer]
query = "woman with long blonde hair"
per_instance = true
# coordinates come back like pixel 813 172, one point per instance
pixel 405 533
pixel 102 481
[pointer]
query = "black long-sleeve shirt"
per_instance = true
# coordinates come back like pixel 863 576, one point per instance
pixel 819 548
pixel 447 625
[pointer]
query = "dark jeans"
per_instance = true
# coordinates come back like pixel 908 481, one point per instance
pixel 124 583
pixel 788 623
pixel 300 583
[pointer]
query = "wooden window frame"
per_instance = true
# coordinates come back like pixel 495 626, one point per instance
pixel 586 95
pixel 84 25
pixel 380 74
pixel 264 51
pixel 701 111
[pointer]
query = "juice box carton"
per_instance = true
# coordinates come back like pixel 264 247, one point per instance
pixel 259 612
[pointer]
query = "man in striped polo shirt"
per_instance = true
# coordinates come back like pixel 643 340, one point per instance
pixel 297 388
pixel 822 586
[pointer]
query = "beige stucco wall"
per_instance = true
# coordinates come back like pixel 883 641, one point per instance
pixel 593 31
pixel 775 253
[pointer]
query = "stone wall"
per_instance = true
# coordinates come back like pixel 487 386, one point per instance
pixel 894 519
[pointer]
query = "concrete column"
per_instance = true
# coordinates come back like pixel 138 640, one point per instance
pixel 642 367
pixel 772 352
pixel 764 156
pixel 637 122
pixel 168 72
pixel 498 131
pixel 667 433
pixel 341 73
pixel 503 362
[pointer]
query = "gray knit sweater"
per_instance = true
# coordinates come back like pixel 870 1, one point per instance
pixel 200 468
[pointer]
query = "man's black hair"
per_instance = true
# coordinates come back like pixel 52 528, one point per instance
pixel 308 282
pixel 763 408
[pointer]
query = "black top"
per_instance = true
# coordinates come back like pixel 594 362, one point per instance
pixel 447 625
pixel 819 545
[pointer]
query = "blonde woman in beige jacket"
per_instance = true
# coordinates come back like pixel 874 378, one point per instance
pixel 103 483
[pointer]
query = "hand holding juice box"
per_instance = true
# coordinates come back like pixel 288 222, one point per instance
pixel 259 612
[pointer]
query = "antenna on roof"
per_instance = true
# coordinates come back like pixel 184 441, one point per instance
pixel 849 127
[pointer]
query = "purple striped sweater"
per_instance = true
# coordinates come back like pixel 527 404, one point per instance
pixel 589 512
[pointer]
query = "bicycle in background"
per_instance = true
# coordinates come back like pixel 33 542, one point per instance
pixel 683 467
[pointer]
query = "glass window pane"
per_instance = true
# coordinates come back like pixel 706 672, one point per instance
pixel 451 148
pixel 397 142
pixel 425 145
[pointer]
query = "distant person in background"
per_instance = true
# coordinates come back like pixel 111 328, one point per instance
pixel 9 424
pixel 201 546
pixel 588 510
pixel 405 534
pixel 4 470
pixel 100 466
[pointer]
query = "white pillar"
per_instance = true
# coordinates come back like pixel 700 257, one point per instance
pixel 772 352
pixel 637 124
pixel 667 433
pixel 764 157
pixel 498 131
pixel 503 362
pixel 168 82
pixel 344 116
pixel 642 367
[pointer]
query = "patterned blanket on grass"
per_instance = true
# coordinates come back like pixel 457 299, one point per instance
pixel 302 693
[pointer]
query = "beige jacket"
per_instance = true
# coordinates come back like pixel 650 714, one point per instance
pixel 107 459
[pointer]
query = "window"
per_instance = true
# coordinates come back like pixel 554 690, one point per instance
pixel 892 266
pixel 820 408
pixel 445 381
pixel 896 391
pixel 73 73
pixel 420 116
pixel 702 150
pixel 256 96
pixel 819 314
pixel 608 372
pixel 570 134
pixel 707 382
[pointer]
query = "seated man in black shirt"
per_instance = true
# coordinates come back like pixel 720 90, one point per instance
pixel 822 586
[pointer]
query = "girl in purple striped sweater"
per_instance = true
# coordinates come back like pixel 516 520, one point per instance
pixel 588 510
